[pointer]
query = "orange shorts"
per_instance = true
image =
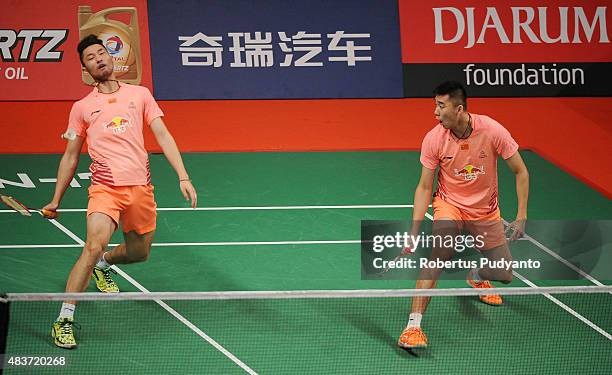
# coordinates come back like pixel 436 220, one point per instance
pixel 132 206
pixel 489 226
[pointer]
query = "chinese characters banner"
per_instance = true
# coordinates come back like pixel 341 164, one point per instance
pixel 38 40
pixel 501 48
pixel 275 49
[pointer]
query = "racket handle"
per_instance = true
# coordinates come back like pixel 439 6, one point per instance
pixel 48 214
pixel 394 260
pixel 406 251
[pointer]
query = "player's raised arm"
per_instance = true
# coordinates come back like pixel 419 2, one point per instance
pixel 168 145
pixel 66 170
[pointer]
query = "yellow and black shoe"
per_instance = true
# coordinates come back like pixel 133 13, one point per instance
pixel 104 281
pixel 62 332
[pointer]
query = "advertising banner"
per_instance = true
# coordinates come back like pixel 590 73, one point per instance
pixel 497 48
pixel 275 49
pixel 38 40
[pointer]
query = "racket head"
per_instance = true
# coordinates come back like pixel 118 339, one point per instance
pixel 15 205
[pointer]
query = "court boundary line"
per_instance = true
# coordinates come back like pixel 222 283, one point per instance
pixel 170 244
pixel 565 307
pixel 560 258
pixel 256 208
pixel 195 244
pixel 165 306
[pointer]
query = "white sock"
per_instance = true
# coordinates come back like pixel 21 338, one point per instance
pixel 474 275
pixel 102 263
pixel 414 320
pixel 67 311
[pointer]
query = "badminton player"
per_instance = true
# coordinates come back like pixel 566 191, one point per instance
pixel 464 148
pixel 112 117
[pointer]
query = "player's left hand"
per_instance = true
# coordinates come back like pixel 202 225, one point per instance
pixel 189 192
pixel 518 229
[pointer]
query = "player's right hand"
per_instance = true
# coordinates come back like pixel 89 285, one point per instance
pixel 517 228
pixel 50 210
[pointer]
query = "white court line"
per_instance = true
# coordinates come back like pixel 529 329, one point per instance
pixel 38 246
pixel 561 259
pixel 169 309
pixel 256 208
pixel 168 244
pixel 255 243
pixel 566 308
pixel 555 300
pixel 186 244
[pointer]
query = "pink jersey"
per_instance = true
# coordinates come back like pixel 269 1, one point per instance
pixel 113 124
pixel 468 167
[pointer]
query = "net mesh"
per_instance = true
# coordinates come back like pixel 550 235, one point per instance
pixel 537 330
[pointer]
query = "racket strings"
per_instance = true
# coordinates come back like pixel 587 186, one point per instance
pixel 15 205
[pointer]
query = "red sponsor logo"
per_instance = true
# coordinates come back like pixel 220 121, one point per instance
pixel 470 172
pixel 118 125
pixel 497 31
pixel 38 58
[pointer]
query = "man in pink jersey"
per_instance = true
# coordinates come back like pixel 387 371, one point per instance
pixel 112 117
pixel 464 147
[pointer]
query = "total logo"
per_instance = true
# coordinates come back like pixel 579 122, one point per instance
pixel 114 45
pixel 470 172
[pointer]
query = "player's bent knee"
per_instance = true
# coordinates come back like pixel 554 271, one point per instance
pixel 93 250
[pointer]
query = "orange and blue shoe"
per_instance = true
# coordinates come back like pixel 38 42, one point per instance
pixel 412 338
pixel 489 299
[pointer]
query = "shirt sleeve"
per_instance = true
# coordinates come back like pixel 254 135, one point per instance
pixel 151 109
pixel 429 154
pixel 76 122
pixel 505 145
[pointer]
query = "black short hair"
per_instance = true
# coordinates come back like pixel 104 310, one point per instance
pixel 454 90
pixel 89 40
